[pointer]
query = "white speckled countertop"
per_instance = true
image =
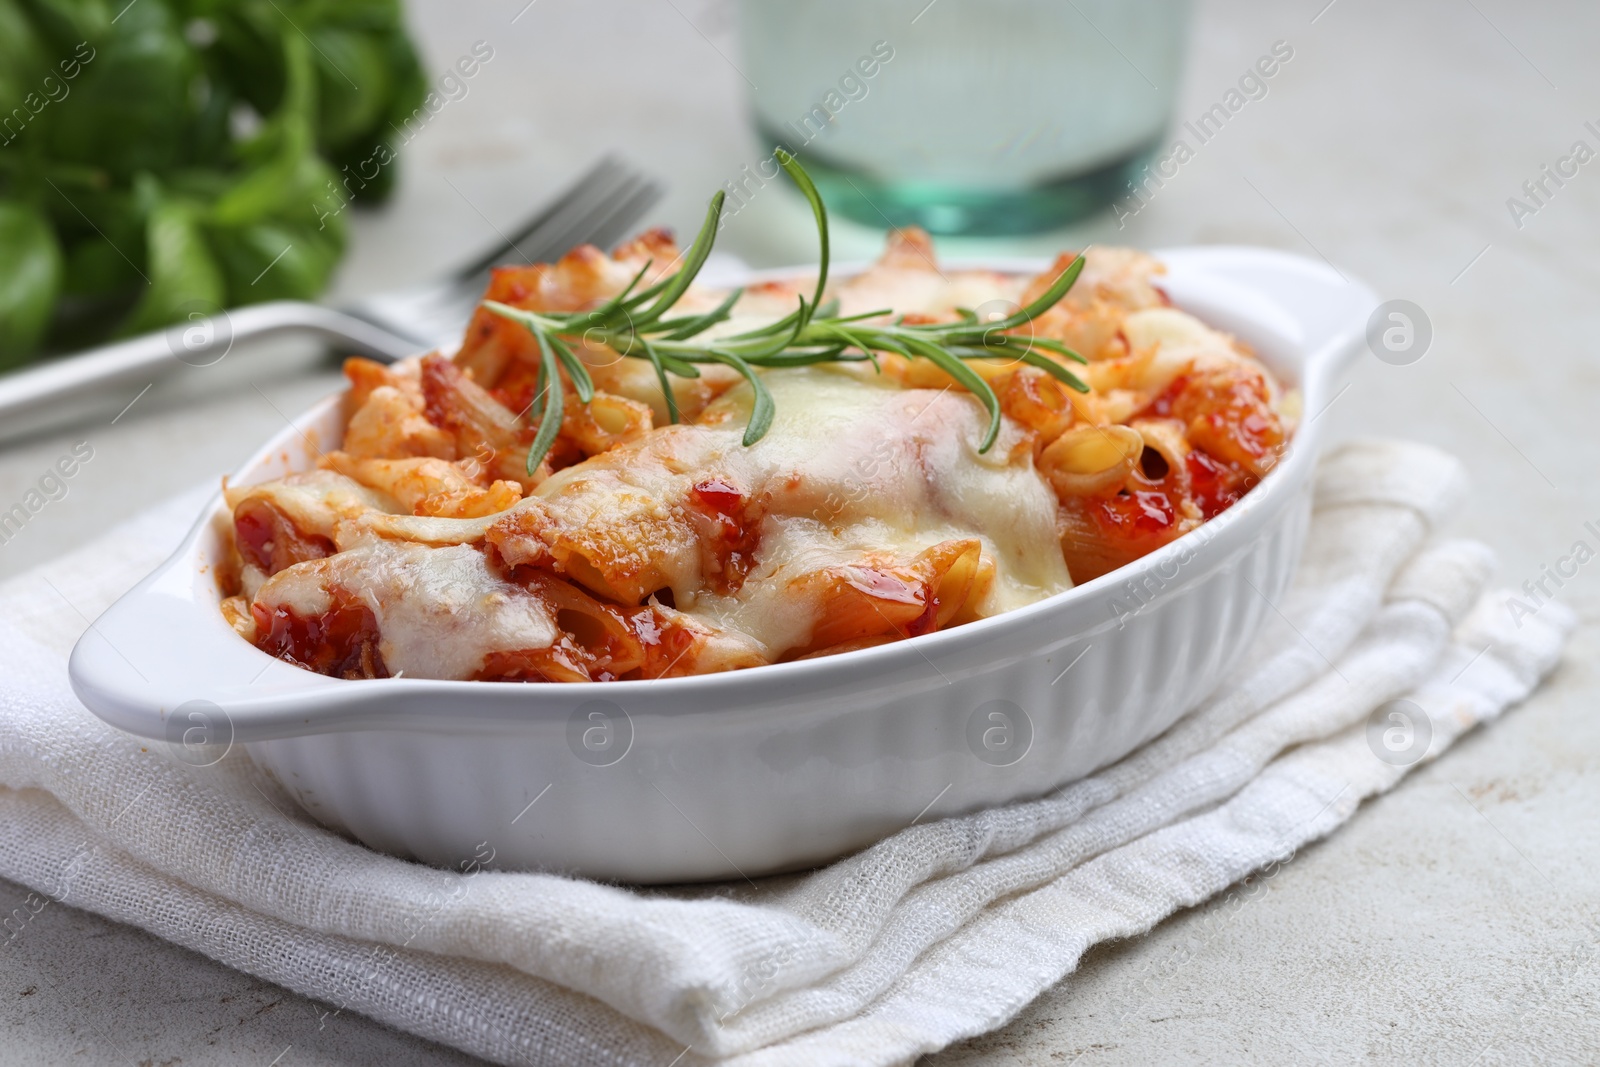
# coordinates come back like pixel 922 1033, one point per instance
pixel 1452 921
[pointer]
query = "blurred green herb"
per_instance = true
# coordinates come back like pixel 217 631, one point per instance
pixel 166 154
pixel 635 324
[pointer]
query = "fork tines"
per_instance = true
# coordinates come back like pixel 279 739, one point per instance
pixel 596 208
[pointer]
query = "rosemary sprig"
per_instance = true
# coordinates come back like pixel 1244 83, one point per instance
pixel 634 324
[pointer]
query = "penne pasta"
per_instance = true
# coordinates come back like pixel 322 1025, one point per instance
pixel 483 428
pixel 1092 460
pixel 428 485
pixel 645 547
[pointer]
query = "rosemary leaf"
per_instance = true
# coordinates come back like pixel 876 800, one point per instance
pixel 1047 299
pixel 582 384
pixel 550 420
pixel 763 407
pixel 798 174
pixel 968 377
pixel 634 325
pixel 1051 345
pixel 685 328
pixel 654 357
pixel 679 283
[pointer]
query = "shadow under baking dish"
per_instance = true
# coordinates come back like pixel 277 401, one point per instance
pixel 763 770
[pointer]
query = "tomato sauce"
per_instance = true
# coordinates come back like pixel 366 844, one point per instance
pixel 732 538
pixel 341 642
pixel 1216 485
pixel 267 538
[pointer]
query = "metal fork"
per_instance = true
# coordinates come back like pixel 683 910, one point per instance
pixel 597 208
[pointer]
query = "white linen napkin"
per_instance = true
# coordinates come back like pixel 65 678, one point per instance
pixel 940 932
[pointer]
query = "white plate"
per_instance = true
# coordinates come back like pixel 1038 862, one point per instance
pixel 761 770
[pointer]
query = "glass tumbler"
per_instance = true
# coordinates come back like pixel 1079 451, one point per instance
pixel 961 116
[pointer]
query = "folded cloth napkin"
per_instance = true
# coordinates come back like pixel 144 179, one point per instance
pixel 940 932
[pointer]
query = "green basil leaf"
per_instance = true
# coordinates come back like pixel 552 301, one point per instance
pixel 181 269
pixel 286 175
pixel 95 267
pixel 66 23
pixel 368 158
pixel 353 87
pixel 247 56
pixel 112 218
pixel 292 182
pixel 30 277
pixel 21 62
pixel 129 106
pixel 158 201
pixel 274 261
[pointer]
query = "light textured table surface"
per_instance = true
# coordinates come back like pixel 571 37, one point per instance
pixel 1451 921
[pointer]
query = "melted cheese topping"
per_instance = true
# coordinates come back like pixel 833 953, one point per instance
pixel 855 465
pixel 315 500
pixel 1174 342
pixel 439 611
pixel 853 469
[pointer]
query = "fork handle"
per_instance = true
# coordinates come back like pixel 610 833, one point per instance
pixel 61 390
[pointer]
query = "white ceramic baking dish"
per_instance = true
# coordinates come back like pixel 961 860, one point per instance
pixel 753 771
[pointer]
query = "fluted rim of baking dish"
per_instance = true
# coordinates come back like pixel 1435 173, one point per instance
pixel 295 702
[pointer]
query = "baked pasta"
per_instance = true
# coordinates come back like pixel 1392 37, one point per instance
pixel 643 547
